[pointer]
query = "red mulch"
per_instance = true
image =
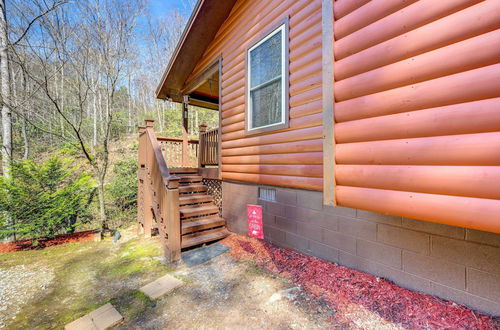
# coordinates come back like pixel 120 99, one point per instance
pixel 343 287
pixel 83 236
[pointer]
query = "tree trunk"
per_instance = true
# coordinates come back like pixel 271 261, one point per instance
pixel 129 130
pixel 102 205
pixel 61 91
pixel 24 128
pixel 24 133
pixel 6 98
pixel 5 91
pixel 94 121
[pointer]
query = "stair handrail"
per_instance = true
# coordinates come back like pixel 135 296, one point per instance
pixel 158 193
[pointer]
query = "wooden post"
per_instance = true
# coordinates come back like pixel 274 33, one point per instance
pixel 141 169
pixel 149 123
pixel 148 189
pixel 201 145
pixel 185 130
pixel 328 104
pixel 172 215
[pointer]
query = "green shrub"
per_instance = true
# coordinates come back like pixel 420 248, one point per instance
pixel 123 186
pixel 70 150
pixel 44 199
pixel 121 193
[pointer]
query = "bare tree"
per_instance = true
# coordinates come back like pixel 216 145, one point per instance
pixel 83 74
pixel 5 92
pixel 6 85
pixel 79 71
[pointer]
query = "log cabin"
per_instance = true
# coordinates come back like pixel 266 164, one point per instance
pixel 368 131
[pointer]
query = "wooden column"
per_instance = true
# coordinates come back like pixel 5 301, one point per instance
pixel 201 145
pixel 173 222
pixel 328 104
pixel 147 187
pixel 141 170
pixel 185 130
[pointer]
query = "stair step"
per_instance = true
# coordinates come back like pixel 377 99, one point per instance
pixel 193 188
pixel 190 178
pixel 203 237
pixel 192 211
pixel 202 224
pixel 192 199
pixel 182 170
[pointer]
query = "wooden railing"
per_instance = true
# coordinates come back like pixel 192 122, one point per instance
pixel 158 194
pixel 208 147
pixel 179 152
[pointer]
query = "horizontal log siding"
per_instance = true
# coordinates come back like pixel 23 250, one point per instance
pixel 290 157
pixel 417 112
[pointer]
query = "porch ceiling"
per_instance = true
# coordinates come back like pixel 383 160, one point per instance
pixel 207 17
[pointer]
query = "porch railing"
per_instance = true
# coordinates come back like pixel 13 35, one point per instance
pixel 179 152
pixel 208 147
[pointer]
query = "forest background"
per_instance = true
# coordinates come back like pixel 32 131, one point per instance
pixel 76 80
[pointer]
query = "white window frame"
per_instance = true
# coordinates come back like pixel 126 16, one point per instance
pixel 283 28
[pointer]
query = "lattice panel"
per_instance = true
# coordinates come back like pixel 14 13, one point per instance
pixel 215 189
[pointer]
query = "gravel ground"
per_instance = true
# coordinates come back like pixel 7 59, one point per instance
pixel 228 294
pixel 18 286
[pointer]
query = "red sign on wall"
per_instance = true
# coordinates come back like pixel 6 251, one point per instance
pixel 255 228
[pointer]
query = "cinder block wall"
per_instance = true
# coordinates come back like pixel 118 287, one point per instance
pixel 451 262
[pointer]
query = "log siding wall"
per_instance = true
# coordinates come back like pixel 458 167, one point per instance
pixel 289 157
pixel 417 131
pixel 416 105
pixel 417 109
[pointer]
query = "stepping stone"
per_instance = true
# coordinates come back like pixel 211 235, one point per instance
pixel 161 286
pixel 201 255
pixel 102 318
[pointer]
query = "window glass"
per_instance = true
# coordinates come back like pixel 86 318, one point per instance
pixel 266 105
pixel 266 81
pixel 265 61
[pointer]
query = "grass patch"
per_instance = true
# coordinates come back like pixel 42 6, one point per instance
pixel 86 276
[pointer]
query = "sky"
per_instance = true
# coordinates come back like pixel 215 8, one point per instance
pixel 161 7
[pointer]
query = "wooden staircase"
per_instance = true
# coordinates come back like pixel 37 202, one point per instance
pixel 200 219
pixel 175 199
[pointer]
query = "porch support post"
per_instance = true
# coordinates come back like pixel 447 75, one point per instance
pixel 185 130
pixel 219 131
pixel 173 222
pixel 328 103
pixel 201 145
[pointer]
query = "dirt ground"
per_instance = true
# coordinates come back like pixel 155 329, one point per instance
pixel 48 288
pixel 227 294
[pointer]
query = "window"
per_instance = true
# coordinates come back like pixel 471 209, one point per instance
pixel 267 85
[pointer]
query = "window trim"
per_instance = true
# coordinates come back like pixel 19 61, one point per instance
pixel 282 26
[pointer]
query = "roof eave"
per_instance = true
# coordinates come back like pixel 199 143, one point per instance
pixel 202 26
